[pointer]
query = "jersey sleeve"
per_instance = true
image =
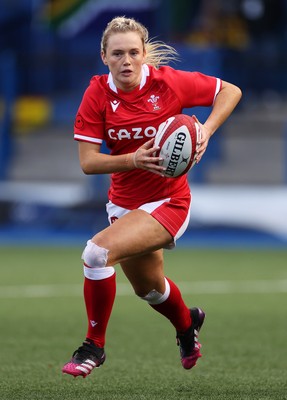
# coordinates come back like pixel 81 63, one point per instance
pixel 89 123
pixel 193 89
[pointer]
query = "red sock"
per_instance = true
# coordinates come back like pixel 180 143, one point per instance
pixel 175 309
pixel 99 298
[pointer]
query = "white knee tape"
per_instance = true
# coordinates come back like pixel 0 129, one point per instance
pixel 154 297
pixel 94 256
pixel 95 261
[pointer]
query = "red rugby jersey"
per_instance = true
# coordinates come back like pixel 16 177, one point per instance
pixel 126 120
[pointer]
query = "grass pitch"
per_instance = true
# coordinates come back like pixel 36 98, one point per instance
pixel 244 294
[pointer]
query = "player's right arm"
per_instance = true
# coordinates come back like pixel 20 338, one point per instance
pixel 92 161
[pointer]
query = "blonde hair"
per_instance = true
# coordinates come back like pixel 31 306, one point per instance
pixel 157 53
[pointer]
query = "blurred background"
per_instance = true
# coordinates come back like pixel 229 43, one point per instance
pixel 48 52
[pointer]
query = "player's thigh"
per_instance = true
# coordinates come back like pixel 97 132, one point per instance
pixel 145 272
pixel 134 234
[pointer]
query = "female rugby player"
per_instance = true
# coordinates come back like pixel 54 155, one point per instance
pixel 147 211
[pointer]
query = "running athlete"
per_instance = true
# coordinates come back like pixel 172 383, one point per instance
pixel 147 211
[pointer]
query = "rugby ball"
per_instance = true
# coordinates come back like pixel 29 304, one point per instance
pixel 177 139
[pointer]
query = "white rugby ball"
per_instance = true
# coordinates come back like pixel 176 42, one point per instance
pixel 177 139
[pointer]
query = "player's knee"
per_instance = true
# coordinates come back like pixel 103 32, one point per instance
pixel 94 256
pixel 95 262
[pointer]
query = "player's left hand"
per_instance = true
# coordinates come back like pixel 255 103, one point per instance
pixel 203 141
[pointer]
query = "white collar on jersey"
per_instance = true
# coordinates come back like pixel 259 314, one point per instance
pixel 145 74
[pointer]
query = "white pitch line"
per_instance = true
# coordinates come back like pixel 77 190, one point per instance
pixel 124 289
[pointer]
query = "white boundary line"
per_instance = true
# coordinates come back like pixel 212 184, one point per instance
pixel 124 289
